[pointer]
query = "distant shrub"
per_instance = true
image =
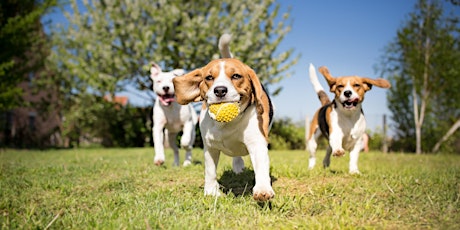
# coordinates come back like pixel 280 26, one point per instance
pixel 285 134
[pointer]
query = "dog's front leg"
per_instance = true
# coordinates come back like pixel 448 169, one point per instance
pixel 187 140
pixel 262 190
pixel 335 141
pixel 211 159
pixel 354 155
pixel 172 143
pixel 158 137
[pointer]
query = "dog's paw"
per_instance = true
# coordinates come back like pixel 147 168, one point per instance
pixel 338 152
pixel 355 172
pixel 311 163
pixel 187 163
pixel 159 162
pixel 262 193
pixel 212 191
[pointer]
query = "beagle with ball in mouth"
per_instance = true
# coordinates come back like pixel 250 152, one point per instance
pixel 341 121
pixel 229 80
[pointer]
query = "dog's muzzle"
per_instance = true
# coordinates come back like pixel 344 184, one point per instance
pixel 350 103
pixel 167 99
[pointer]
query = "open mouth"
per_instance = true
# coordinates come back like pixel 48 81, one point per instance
pixel 350 104
pixel 167 99
pixel 222 102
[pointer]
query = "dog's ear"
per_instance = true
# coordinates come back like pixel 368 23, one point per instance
pixel 187 87
pixel 330 80
pixel 178 72
pixel 263 104
pixel 155 69
pixel 379 82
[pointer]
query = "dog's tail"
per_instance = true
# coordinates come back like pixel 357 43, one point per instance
pixel 224 47
pixel 323 98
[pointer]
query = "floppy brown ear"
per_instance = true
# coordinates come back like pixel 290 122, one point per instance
pixel 379 82
pixel 263 104
pixel 187 87
pixel 330 80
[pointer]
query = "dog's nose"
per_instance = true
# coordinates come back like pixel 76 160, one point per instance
pixel 347 93
pixel 220 91
pixel 166 89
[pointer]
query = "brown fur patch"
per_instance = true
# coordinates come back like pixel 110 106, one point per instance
pixel 323 98
pixel 187 87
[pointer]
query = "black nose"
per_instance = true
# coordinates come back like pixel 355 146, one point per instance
pixel 347 93
pixel 220 91
pixel 166 89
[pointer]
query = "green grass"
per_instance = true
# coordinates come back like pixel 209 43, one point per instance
pixel 122 189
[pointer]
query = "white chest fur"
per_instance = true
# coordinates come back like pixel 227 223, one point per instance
pixel 232 138
pixel 349 127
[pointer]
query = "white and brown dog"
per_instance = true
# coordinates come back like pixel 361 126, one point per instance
pixel 341 121
pixel 170 118
pixel 230 80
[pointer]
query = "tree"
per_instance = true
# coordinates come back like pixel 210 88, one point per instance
pixel 22 42
pixel 107 45
pixel 421 64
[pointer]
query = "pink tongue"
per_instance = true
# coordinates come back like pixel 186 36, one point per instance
pixel 166 100
pixel 353 101
pixel 169 100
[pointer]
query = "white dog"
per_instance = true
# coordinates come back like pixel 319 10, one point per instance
pixel 170 118
pixel 230 80
pixel 341 121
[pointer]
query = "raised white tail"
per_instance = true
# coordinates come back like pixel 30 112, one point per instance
pixel 324 99
pixel 314 79
pixel 224 47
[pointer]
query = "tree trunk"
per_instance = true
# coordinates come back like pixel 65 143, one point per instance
pixel 419 116
pixel 418 126
pixel 446 136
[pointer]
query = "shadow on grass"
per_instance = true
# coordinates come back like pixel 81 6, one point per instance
pixel 239 184
pixel 196 162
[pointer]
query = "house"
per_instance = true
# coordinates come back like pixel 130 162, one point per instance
pixel 36 124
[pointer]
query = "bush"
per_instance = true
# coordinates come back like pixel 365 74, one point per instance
pixel 285 134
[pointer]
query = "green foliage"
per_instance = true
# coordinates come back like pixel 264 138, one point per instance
pixel 128 128
pixel 375 139
pixel 420 65
pixel 122 189
pixel 23 46
pixel 285 134
pixel 108 45
pixel 123 126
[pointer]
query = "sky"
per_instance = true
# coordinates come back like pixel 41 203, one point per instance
pixel 347 36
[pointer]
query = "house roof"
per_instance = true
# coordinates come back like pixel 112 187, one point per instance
pixel 122 100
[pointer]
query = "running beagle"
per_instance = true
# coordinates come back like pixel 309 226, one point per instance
pixel 341 121
pixel 230 80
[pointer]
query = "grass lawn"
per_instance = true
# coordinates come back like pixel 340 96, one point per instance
pixel 122 189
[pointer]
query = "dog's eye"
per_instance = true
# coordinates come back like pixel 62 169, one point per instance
pixel 340 86
pixel 356 85
pixel 209 78
pixel 236 76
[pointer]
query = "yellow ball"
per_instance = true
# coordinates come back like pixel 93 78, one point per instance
pixel 224 112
